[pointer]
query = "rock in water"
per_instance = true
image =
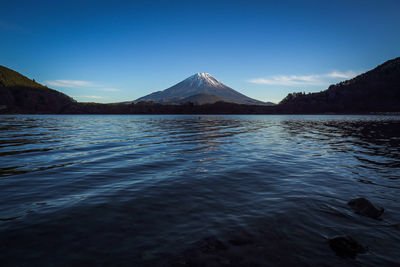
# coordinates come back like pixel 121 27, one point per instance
pixel 365 207
pixel 210 244
pixel 346 246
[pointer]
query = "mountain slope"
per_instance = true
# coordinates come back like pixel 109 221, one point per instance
pixel 200 83
pixel 10 78
pixel 23 95
pixel 201 99
pixel 377 90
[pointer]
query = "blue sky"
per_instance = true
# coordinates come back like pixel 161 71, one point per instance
pixel 111 51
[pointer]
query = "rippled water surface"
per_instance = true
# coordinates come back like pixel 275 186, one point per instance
pixel 154 190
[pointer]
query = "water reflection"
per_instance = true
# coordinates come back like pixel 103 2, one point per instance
pixel 199 134
pixel 372 142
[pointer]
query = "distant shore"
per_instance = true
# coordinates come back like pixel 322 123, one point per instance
pixel 219 108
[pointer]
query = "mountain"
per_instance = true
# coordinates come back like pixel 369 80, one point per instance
pixel 377 90
pixel 200 84
pixel 23 95
pixel 201 99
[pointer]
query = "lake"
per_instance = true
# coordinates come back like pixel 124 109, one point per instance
pixel 189 190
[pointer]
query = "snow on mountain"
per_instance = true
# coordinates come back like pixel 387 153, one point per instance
pixel 204 79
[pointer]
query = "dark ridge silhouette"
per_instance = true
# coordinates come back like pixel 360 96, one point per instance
pixel 155 108
pixel 376 91
pixel 19 94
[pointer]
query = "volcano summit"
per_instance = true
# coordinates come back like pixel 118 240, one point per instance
pixel 201 88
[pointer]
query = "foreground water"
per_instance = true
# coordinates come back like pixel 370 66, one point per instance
pixel 161 190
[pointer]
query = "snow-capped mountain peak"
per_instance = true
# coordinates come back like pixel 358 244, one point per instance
pixel 202 79
pixel 200 85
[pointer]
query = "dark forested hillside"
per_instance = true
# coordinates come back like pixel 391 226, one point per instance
pixel 19 94
pixel 377 90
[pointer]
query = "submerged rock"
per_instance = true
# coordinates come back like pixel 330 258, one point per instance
pixel 206 252
pixel 364 207
pixel 346 246
pixel 210 244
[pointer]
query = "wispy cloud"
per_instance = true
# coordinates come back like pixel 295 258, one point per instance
pixel 299 80
pixel 78 84
pixel 96 97
pixel 69 83
pixel 289 80
pixel 345 75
